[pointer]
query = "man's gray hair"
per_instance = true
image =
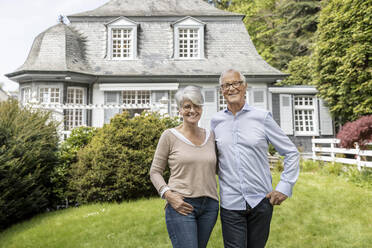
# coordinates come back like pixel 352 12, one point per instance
pixel 242 78
pixel 192 93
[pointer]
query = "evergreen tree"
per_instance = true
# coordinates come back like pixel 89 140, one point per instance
pixel 260 21
pixel 28 153
pixel 343 58
pixel 280 29
pixel 296 23
pixel 301 70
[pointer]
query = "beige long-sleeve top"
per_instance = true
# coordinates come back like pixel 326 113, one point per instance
pixel 192 168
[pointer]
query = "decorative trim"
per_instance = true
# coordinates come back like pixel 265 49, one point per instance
pixel 293 90
pixel 187 18
pixel 121 18
pixel 143 86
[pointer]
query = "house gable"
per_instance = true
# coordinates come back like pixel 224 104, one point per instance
pixel 188 21
pixel 121 21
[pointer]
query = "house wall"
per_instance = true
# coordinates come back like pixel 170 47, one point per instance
pixel 303 143
pixel 211 105
pixel 97 114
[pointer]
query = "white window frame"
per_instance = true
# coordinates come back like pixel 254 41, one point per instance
pixel 313 108
pixel 122 23
pixel 188 23
pixel 221 101
pixel 74 111
pixel 137 99
pixel 49 92
pixel 26 98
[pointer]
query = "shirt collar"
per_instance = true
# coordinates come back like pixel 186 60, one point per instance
pixel 245 108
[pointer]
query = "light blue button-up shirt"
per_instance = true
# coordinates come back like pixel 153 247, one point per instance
pixel 244 171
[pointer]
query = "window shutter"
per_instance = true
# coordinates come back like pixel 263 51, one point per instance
pixel 209 96
pixel 209 108
pixel 158 95
pixel 259 98
pixel 286 114
pixel 326 124
pixel 111 97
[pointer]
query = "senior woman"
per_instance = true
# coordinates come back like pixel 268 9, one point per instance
pixel 191 192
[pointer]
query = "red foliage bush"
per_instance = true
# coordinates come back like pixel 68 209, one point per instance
pixel 359 131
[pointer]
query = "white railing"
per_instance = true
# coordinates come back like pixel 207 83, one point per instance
pixel 58 106
pixel 329 153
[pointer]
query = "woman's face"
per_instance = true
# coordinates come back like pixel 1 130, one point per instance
pixel 190 112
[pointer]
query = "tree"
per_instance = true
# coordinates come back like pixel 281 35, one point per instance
pixel 359 131
pixel 260 23
pixel 281 30
pixel 28 153
pixel 78 139
pixel 301 70
pixel 343 58
pixel 296 24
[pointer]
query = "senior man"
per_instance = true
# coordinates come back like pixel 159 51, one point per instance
pixel 242 135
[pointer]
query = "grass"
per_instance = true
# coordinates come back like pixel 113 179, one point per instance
pixel 325 211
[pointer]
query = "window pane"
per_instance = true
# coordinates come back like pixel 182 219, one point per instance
pixel 304 114
pixel 121 43
pixel 188 43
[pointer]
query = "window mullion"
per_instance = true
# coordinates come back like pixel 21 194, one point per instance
pixel 121 43
pixel 188 43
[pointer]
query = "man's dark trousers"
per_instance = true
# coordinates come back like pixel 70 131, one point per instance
pixel 248 228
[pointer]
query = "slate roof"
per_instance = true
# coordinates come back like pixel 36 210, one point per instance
pixel 59 48
pixel 155 8
pixel 227 45
pixel 82 46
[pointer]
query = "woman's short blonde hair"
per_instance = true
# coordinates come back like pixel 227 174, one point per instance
pixel 192 93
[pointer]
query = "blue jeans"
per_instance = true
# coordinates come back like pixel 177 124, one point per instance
pixel 247 228
pixel 194 229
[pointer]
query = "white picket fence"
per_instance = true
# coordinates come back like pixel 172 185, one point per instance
pixel 329 153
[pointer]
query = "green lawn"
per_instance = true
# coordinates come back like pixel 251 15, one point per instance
pixel 325 211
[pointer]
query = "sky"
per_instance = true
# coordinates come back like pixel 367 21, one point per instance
pixel 22 20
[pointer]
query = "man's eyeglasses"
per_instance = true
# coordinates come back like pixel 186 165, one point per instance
pixel 234 84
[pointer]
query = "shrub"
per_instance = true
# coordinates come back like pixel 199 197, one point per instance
pixel 359 131
pixel 337 169
pixel 67 154
pixel 309 165
pixel 28 148
pixel 361 178
pixel 115 165
pixel 271 150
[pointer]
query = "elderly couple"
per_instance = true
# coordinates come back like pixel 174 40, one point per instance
pixel 240 134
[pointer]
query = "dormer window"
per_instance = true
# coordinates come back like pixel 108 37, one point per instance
pixel 122 39
pixel 188 39
pixel 122 43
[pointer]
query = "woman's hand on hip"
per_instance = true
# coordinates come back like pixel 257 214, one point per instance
pixel 177 202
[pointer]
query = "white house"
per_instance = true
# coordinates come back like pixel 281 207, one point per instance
pixel 135 55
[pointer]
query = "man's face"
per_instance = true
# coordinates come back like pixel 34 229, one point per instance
pixel 232 88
